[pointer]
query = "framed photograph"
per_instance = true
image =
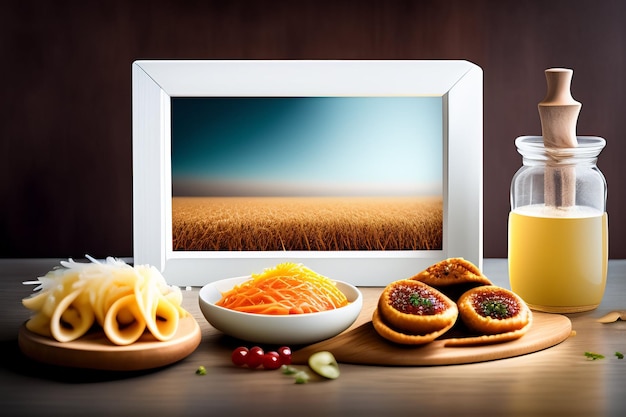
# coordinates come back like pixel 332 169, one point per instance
pixel 364 171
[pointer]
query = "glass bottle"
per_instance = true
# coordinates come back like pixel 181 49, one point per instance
pixel 558 226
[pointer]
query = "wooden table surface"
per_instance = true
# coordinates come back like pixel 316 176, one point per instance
pixel 559 381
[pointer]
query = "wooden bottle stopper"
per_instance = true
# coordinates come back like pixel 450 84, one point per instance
pixel 559 115
pixel 559 111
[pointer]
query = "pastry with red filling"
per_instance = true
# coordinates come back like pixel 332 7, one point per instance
pixel 495 313
pixel 411 312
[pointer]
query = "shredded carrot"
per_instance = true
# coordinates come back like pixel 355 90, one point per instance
pixel 288 288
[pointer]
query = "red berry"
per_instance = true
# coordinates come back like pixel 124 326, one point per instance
pixel 254 358
pixel 285 355
pixel 239 356
pixel 271 360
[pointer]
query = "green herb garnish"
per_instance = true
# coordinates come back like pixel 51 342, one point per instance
pixel 495 309
pixel 594 356
pixel 288 370
pixel 619 355
pixel 201 370
pixel 418 301
pixel 301 377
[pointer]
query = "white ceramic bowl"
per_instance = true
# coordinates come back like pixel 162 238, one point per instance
pixel 293 329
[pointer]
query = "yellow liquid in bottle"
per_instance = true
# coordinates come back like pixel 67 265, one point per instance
pixel 558 261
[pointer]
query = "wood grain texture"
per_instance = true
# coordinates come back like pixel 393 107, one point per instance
pixel 554 382
pixel 95 351
pixel 364 346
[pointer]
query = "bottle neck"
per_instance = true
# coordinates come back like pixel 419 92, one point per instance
pixel 534 152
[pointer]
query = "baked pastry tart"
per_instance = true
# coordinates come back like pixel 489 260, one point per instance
pixel 495 313
pixel 411 312
pixel 452 276
pixel 452 271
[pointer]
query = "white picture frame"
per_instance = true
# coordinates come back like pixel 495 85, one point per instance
pixel 154 82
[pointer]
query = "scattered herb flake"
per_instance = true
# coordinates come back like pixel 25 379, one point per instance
pixel 594 356
pixel 301 377
pixel 619 355
pixel 201 370
pixel 288 370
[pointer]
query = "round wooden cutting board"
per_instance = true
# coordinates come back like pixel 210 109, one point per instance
pixel 362 345
pixel 95 351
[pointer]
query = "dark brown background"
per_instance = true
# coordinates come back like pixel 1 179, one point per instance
pixel 65 136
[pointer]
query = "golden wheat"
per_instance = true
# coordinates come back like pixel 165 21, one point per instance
pixel 306 223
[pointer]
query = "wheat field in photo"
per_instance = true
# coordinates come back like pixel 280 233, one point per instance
pixel 306 223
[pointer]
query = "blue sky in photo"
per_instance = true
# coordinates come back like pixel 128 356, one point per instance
pixel 307 146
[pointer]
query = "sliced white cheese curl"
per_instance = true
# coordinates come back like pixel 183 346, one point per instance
pixel 39 323
pixel 161 318
pixel 124 323
pixel 35 302
pixel 71 318
pixel 123 300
